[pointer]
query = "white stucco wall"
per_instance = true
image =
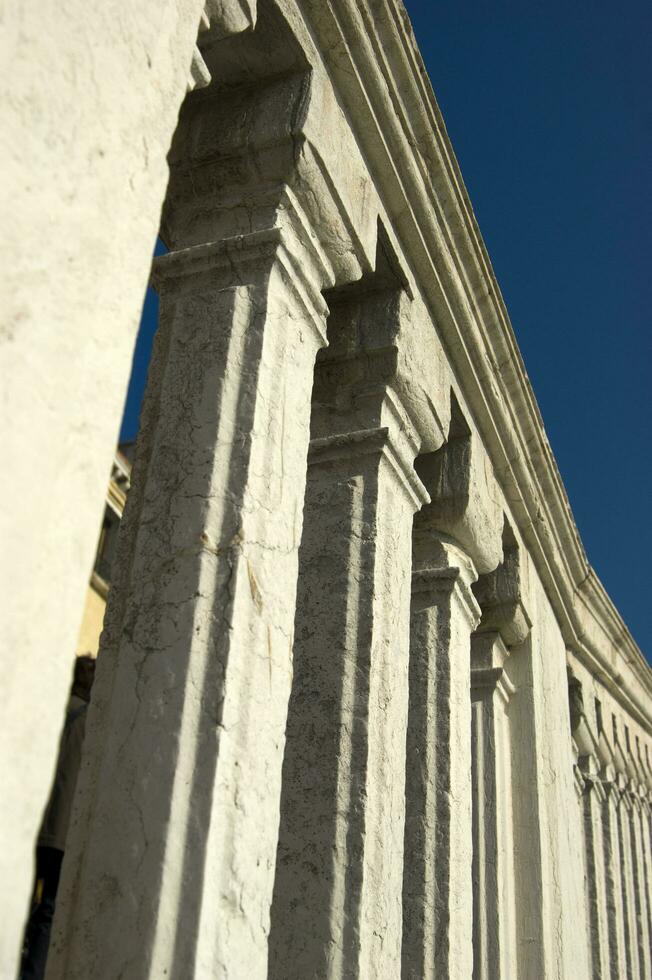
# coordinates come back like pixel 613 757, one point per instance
pixel 90 95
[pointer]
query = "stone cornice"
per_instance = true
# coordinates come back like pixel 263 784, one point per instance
pixel 374 61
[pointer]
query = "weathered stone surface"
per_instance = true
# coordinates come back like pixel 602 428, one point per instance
pixel 198 653
pixel 465 501
pixel 437 884
pixel 494 913
pixel 337 900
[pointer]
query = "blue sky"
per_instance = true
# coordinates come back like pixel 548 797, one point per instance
pixel 549 109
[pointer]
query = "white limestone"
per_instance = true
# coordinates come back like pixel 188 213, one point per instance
pixel 433 804
pixel 337 907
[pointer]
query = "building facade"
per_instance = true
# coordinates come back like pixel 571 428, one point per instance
pixel 88 641
pixel 362 707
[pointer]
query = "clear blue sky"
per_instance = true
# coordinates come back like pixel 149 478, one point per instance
pixel 549 109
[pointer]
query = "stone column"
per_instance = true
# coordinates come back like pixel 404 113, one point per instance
pixel 627 880
pixel 640 897
pixel 646 846
pixel 337 898
pixel 590 754
pixel 592 802
pixel 494 942
pixel 83 180
pixel 437 881
pixel 437 890
pixel 196 664
pixel 171 868
pixel 504 624
pixel 646 843
pixel 613 881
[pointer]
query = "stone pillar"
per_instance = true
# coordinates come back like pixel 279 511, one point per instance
pixel 613 881
pixel 337 898
pixel 640 897
pixel 170 872
pixel 504 624
pixel 196 664
pixel 590 754
pixel 627 881
pixel 437 887
pixel 437 881
pixel 646 846
pixel 83 180
pixel 529 842
pixel 494 942
pixel 592 802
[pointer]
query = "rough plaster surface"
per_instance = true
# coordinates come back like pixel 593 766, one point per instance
pixel 90 95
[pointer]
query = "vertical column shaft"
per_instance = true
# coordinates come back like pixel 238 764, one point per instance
pixel 640 897
pixel 646 847
pixel 171 863
pixel 337 897
pixel 437 886
pixel 627 886
pixel 613 883
pixel 592 803
pixel 529 880
pixel 493 867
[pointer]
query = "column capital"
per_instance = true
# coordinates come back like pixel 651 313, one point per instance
pixel 375 442
pixel 578 781
pixel 358 404
pixel 611 791
pixel 499 593
pixel 465 498
pixel 234 261
pixel 485 681
pixel 488 657
pixel 441 568
pixel 593 784
pixel 240 149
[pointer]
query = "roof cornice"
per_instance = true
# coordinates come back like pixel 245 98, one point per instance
pixel 370 52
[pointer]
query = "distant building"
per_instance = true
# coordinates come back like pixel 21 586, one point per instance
pixel 100 580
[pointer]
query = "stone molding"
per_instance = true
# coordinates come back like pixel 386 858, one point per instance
pixel 487 680
pixel 182 269
pixel 464 502
pixel 371 441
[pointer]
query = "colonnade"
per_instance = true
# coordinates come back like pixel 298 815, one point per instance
pixel 614 784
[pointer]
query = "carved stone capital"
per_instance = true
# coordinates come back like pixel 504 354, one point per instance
pixel 611 791
pixel 464 495
pixel 592 784
pixel 499 593
pixel 269 126
pixel 242 259
pixel 441 570
pixel 488 657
